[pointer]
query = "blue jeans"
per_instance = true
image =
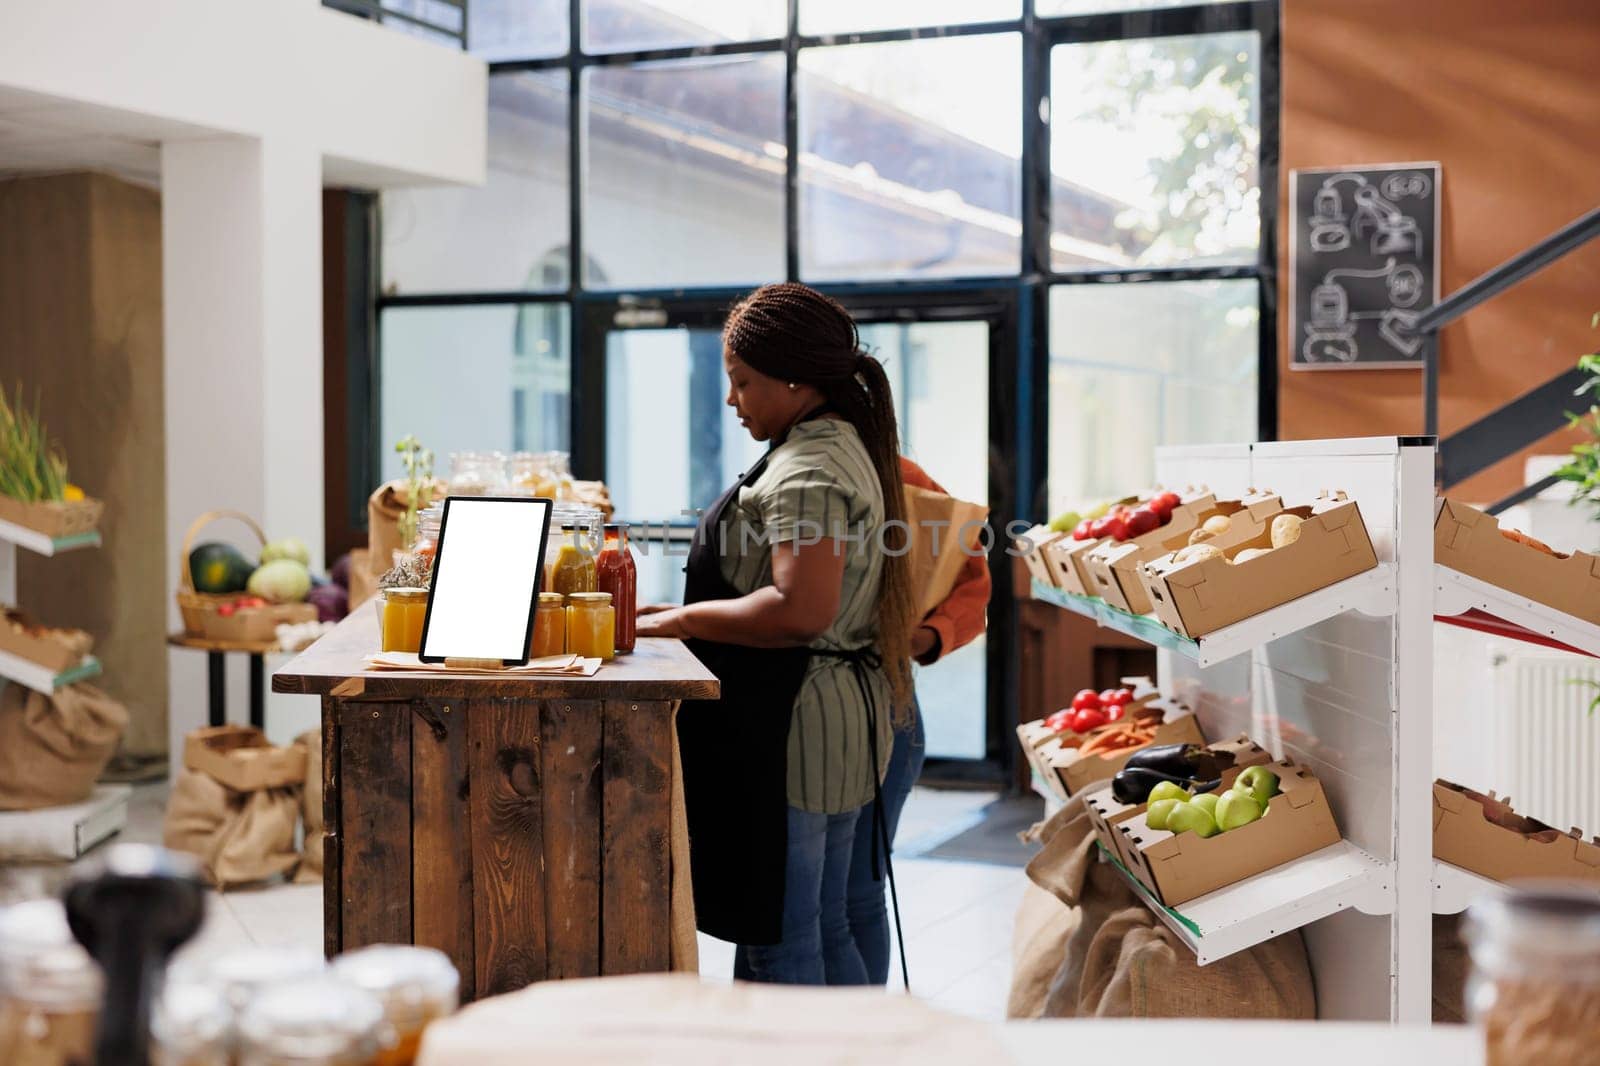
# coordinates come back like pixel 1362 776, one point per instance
pixel 869 918
pixel 817 947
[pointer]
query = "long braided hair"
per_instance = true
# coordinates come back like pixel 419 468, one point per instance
pixel 794 333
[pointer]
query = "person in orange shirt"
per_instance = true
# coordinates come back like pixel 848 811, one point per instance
pixel 954 623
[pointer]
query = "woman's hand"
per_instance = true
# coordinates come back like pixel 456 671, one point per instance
pixel 924 644
pixel 662 621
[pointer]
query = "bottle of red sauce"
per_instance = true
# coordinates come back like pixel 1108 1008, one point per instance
pixel 616 573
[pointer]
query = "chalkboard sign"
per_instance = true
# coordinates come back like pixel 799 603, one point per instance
pixel 1363 263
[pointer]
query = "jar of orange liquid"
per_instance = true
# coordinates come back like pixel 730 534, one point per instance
pixel 549 626
pixel 404 610
pixel 591 625
pixel 416 986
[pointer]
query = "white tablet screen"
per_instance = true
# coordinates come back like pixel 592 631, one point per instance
pixel 485 578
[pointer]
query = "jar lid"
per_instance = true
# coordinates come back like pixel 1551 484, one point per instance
pixel 551 599
pixel 314 1020
pixel 191 1020
pixel 238 974
pixel 406 594
pixel 41 963
pixel 414 984
pixel 591 599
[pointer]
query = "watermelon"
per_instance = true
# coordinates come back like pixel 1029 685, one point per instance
pixel 220 568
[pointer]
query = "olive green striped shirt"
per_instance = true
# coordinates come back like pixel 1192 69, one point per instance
pixel 820 485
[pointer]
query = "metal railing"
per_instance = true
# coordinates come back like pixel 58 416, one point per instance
pixel 442 20
pixel 1530 417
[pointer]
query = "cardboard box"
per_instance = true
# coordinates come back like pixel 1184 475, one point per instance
pixel 1038 538
pixel 1065 557
pixel 1483 834
pixel 257 625
pixel 1179 867
pixel 242 758
pixel 1469 540
pixel 1202 596
pixel 57 650
pixel 1105 811
pixel 1115 567
pixel 55 518
pixel 1077 772
pixel 1035 736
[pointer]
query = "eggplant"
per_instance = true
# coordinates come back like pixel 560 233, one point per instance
pixel 1132 784
pixel 1176 760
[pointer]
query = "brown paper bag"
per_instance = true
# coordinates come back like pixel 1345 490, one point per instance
pixel 239 837
pixel 384 509
pixel 310 870
pixel 945 532
pixel 53 748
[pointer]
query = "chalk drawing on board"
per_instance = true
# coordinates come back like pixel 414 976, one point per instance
pixel 1375 218
pixel 1330 335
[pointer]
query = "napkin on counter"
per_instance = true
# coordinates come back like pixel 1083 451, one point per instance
pixel 558 665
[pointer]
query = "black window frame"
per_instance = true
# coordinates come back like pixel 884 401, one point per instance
pixel 1016 304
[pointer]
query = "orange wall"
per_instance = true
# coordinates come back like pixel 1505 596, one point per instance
pixel 1506 96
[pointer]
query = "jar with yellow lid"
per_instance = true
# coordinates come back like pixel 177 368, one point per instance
pixel 416 985
pixel 402 612
pixel 549 626
pixel 319 1021
pixel 50 989
pixel 591 625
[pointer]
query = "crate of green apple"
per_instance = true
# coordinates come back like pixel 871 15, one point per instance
pixel 1191 839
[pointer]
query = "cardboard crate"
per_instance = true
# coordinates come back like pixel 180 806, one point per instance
pixel 1115 567
pixel 1469 540
pixel 1038 538
pixel 1035 736
pixel 1202 596
pixel 56 518
pixel 1484 834
pixel 1106 811
pixel 242 758
pixel 1077 772
pixel 57 652
pixel 1179 867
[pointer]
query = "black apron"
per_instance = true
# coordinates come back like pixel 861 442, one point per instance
pixel 735 759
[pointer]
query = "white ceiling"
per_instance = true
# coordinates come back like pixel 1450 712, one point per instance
pixel 44 133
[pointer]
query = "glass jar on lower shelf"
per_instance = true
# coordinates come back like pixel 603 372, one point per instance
pixel 1535 984
pixel 591 625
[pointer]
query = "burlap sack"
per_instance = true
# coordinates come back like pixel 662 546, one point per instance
pixel 310 869
pixel 239 837
pixel 53 748
pixel 384 508
pixel 1117 960
pixel 944 530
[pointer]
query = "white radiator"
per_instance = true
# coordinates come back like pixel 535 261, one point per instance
pixel 1546 755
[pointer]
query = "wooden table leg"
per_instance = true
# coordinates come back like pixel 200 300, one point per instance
pixel 332 835
pixel 258 691
pixel 217 689
pixel 374 766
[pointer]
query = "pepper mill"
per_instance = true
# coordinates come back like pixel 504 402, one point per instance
pixel 131 914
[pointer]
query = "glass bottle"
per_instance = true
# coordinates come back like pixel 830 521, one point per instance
pixel 549 626
pixel 50 989
pixel 581 529
pixel 616 573
pixel 1535 983
pixel 318 1021
pixel 426 546
pixel 416 986
pixel 591 625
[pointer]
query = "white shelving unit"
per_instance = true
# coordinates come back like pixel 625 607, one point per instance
pixel 1341 681
pixel 1454 889
pixel 13 667
pixel 40 544
pixel 1456 593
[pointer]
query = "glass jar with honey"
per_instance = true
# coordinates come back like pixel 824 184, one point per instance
pixel 573 571
pixel 416 986
pixel 403 612
pixel 319 1021
pixel 549 626
pixel 50 989
pixel 591 625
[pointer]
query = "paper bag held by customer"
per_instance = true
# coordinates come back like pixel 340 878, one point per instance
pixel 945 532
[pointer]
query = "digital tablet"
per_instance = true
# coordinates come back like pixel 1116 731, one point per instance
pixel 486 574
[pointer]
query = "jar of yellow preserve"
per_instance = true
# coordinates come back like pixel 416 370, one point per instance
pixel 591 625
pixel 549 626
pixel 416 986
pixel 404 610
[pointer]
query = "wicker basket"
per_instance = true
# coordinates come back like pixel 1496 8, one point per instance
pixel 200 609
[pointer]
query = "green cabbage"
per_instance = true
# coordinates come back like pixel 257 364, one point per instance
pixel 281 581
pixel 292 548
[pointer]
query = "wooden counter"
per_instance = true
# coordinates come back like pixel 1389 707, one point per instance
pixel 521 825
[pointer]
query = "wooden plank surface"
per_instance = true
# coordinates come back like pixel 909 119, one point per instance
pixel 636 860
pixel 253 647
pixel 572 826
pixel 505 765
pixel 332 835
pixel 441 836
pixel 375 824
pixel 658 669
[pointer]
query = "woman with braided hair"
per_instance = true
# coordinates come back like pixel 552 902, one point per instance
pixel 798 598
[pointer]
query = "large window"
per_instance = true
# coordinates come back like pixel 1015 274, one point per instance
pixel 1058 230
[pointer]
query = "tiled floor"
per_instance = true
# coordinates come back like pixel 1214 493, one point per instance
pixel 957 915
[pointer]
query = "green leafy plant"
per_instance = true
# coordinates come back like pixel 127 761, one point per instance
pixel 1593 686
pixel 32 469
pixel 418 463
pixel 1582 469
